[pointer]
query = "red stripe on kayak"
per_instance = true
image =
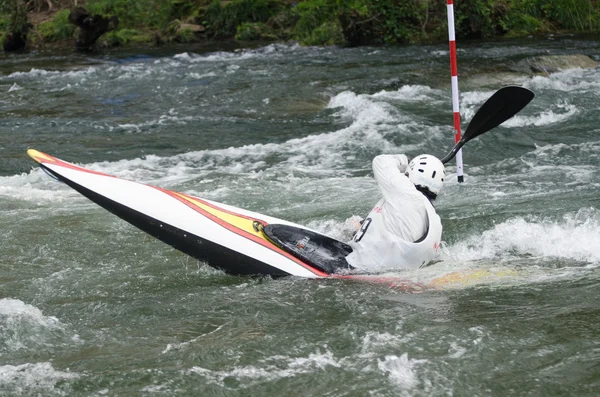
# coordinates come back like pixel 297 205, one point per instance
pixel 50 160
pixel 238 231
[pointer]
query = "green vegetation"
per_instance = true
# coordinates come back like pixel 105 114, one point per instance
pixel 151 14
pixel 121 37
pixel 13 15
pixel 223 18
pixel 14 25
pixel 313 22
pixel 58 28
pixel 249 31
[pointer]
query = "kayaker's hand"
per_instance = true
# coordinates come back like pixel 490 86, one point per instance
pixel 402 162
pixel 355 222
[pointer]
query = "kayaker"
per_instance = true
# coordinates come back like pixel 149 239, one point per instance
pixel 402 230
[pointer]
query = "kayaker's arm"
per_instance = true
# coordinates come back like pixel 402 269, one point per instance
pixel 389 173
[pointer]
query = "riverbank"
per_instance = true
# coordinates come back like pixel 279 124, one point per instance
pixel 46 24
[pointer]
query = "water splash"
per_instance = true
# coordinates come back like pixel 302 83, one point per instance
pixel 35 379
pixel 562 111
pixel 573 237
pixel 585 81
pixel 23 326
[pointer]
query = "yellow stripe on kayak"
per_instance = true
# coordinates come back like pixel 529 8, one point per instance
pixel 40 157
pixel 470 277
pixel 239 222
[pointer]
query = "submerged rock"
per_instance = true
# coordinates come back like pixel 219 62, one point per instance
pixel 555 63
pixel 91 27
pixel 519 72
pixel 494 79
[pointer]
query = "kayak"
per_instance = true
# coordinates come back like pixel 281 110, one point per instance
pixel 231 239
pixel 234 240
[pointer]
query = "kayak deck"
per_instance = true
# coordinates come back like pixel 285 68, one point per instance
pixel 323 252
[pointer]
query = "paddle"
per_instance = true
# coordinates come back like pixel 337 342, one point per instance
pixel 501 106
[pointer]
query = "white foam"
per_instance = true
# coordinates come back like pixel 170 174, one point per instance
pixel 33 379
pixel 24 326
pixel 18 309
pixel 184 56
pixel 440 53
pixel 32 73
pixel 15 87
pixel 199 76
pixel 15 307
pixel 163 389
pixel 413 93
pixel 223 56
pixel 51 74
pixel 578 80
pixel 165 119
pixel 456 351
pixel 401 371
pixel 575 237
pixel 445 53
pixel 376 122
pixel 587 153
pixel 361 107
pixel 135 72
pixel 35 187
pixel 375 341
pixel 562 112
pixel 270 369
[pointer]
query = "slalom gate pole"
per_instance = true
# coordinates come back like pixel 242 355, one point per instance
pixel 455 96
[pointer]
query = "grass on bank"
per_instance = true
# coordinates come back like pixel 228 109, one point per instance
pixel 58 28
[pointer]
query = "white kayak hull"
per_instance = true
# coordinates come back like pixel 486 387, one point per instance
pixel 221 235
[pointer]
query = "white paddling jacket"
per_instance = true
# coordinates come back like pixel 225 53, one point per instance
pixel 402 230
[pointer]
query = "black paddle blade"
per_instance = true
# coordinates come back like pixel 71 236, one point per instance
pixel 501 106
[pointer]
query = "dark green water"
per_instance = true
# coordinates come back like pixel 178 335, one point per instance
pixel 90 306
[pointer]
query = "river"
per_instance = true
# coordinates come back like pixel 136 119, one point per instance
pixel 91 306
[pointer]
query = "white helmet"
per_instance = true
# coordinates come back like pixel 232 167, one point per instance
pixel 428 172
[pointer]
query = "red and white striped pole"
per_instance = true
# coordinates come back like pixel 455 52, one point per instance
pixel 455 104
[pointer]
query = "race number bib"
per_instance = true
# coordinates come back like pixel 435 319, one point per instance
pixel 363 229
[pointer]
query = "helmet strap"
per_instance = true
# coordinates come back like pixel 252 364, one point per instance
pixel 428 193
